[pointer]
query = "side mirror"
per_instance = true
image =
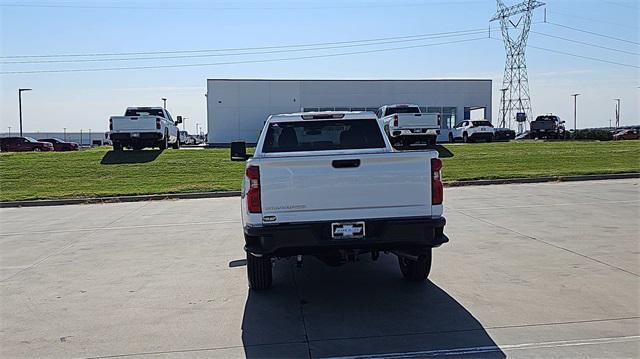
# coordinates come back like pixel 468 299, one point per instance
pixel 239 151
pixel 561 122
pixel 179 120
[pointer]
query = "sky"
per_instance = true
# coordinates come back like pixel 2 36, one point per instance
pixel 601 36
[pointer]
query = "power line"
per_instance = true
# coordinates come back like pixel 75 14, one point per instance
pixel 586 43
pixel 580 56
pixel 593 33
pixel 242 48
pixel 240 62
pixel 244 53
pixel 592 20
pixel 584 57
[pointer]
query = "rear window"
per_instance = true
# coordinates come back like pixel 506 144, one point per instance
pixel 481 123
pixel 392 110
pixel 323 135
pixel 144 112
pixel 546 118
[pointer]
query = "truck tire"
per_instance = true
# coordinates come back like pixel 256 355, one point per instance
pixel 117 146
pixel 176 145
pixel 259 272
pixel 416 270
pixel 164 142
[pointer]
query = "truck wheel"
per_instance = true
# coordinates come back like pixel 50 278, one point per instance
pixel 259 272
pixel 176 144
pixel 164 142
pixel 416 270
pixel 465 138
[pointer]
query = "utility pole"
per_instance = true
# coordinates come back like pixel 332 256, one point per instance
pixel 575 111
pixel 80 137
pixel 164 103
pixel 9 131
pixel 504 113
pixel 515 34
pixel 90 140
pixel 20 106
pixel 65 133
pixel 617 100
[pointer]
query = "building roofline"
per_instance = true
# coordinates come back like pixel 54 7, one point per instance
pixel 351 80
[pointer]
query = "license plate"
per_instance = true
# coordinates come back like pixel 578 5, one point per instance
pixel 350 230
pixel 135 134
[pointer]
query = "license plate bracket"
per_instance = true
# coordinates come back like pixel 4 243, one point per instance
pixel 347 230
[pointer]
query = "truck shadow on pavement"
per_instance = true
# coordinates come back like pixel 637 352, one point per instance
pixel 124 157
pixel 365 308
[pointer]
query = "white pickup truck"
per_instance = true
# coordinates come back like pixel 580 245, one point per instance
pixel 329 184
pixel 142 127
pixel 405 124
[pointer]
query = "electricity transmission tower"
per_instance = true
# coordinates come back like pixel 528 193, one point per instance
pixel 517 102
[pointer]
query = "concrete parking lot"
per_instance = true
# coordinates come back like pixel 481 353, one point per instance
pixel 546 270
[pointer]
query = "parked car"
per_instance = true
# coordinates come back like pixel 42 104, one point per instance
pixel 60 145
pixel 186 138
pixel 405 124
pixel 22 144
pixel 503 134
pixel 471 131
pixel 330 184
pixel 142 127
pixel 627 134
pixel 548 126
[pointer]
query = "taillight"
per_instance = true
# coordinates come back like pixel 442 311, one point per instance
pixel 395 120
pixel 110 125
pixel 436 181
pixel 158 124
pixel 254 203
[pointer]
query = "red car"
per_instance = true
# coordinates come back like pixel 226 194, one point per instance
pixel 629 134
pixel 20 144
pixel 60 145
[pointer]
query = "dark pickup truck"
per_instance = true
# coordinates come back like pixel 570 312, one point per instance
pixel 548 126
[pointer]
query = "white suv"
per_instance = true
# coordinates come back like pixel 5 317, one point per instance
pixel 472 130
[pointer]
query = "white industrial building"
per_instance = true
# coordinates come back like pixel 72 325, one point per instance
pixel 237 109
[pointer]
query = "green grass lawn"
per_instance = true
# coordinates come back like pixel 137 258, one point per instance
pixel 100 172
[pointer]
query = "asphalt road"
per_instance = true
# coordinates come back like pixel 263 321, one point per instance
pixel 545 270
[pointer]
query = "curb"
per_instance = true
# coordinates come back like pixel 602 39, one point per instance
pixel 543 179
pixel 196 195
pixel 117 199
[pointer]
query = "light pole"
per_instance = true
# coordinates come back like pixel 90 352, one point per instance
pixel 617 100
pixel 164 103
pixel 90 140
pixel 20 106
pixel 575 111
pixel 503 112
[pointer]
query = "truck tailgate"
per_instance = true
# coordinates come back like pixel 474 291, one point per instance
pixel 322 188
pixel 134 123
pixel 417 120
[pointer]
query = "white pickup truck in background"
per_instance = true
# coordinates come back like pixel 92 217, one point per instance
pixel 406 125
pixel 142 127
pixel 329 184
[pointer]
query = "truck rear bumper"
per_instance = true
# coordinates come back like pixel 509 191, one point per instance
pixel 311 238
pixel 414 132
pixel 135 136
